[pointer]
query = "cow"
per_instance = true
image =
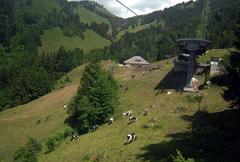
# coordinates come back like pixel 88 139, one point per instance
pixel 128 113
pixel 132 119
pixel 65 106
pixel 131 137
pixel 75 136
pixel 146 112
pixel 153 106
pixel 110 121
pixel 94 128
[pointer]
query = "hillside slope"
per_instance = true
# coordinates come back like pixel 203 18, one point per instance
pixel 44 117
pixel 29 28
pixel 53 39
pixel 88 16
pixel 39 119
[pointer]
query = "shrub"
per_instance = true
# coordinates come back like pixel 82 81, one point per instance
pixel 55 141
pixel 29 152
pixel 51 144
pixel 157 126
pixel 179 158
pixel 145 126
pixel 194 98
pixel 38 121
pixel 86 157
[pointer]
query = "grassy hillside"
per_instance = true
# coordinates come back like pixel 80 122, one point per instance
pixel 39 119
pixel 45 116
pixel 137 28
pixel 88 16
pixel 53 39
pixel 213 53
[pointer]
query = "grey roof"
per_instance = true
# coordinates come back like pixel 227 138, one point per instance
pixel 137 60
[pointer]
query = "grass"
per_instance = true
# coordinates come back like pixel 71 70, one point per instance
pixel 53 39
pixel 137 28
pixel 88 16
pixel 107 143
pixel 213 53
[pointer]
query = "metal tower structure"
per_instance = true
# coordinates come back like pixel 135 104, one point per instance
pixel 194 47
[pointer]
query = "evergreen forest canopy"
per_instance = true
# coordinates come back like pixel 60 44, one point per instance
pixel 26 74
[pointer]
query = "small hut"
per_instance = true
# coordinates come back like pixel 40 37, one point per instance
pixel 215 66
pixel 136 61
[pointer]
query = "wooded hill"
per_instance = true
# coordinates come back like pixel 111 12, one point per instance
pixel 42 40
pixel 153 36
pixel 32 32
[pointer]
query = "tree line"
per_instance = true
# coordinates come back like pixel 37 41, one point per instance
pixel 26 77
pixel 24 73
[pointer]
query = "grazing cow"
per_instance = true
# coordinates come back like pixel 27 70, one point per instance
pixel 126 89
pixel 146 112
pixel 128 113
pixel 110 120
pixel 75 136
pixel 65 106
pixel 132 119
pixel 153 107
pixel 95 127
pixel 131 137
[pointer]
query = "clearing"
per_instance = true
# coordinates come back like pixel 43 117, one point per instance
pixel 53 39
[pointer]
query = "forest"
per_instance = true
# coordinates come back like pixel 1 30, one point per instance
pixel 26 74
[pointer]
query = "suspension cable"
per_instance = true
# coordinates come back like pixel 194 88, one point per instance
pixel 127 8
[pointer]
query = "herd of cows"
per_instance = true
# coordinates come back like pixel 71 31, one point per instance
pixel 131 118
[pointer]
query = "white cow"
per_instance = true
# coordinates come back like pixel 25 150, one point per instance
pixel 128 113
pixel 131 137
pixel 132 119
pixel 146 112
pixel 74 136
pixel 110 120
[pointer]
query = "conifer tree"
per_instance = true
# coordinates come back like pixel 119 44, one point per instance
pixel 96 98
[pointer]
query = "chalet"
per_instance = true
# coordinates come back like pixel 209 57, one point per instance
pixel 136 61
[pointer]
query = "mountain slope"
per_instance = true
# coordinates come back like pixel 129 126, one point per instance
pixel 217 21
pixel 29 28
pixel 89 17
pixel 39 119
pixel 45 116
pixel 53 39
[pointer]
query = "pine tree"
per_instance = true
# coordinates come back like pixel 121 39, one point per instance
pixel 96 98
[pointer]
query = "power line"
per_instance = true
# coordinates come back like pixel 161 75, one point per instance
pixel 127 8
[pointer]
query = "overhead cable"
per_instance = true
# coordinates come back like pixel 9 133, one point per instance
pixel 127 7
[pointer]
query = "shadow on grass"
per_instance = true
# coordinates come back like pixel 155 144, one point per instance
pixel 214 137
pixel 173 80
pixel 71 122
pixel 231 92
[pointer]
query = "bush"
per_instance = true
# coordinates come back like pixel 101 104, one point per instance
pixel 86 158
pixel 157 126
pixel 194 98
pixel 29 152
pixel 55 141
pixel 179 158
pixel 145 126
pixel 51 144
